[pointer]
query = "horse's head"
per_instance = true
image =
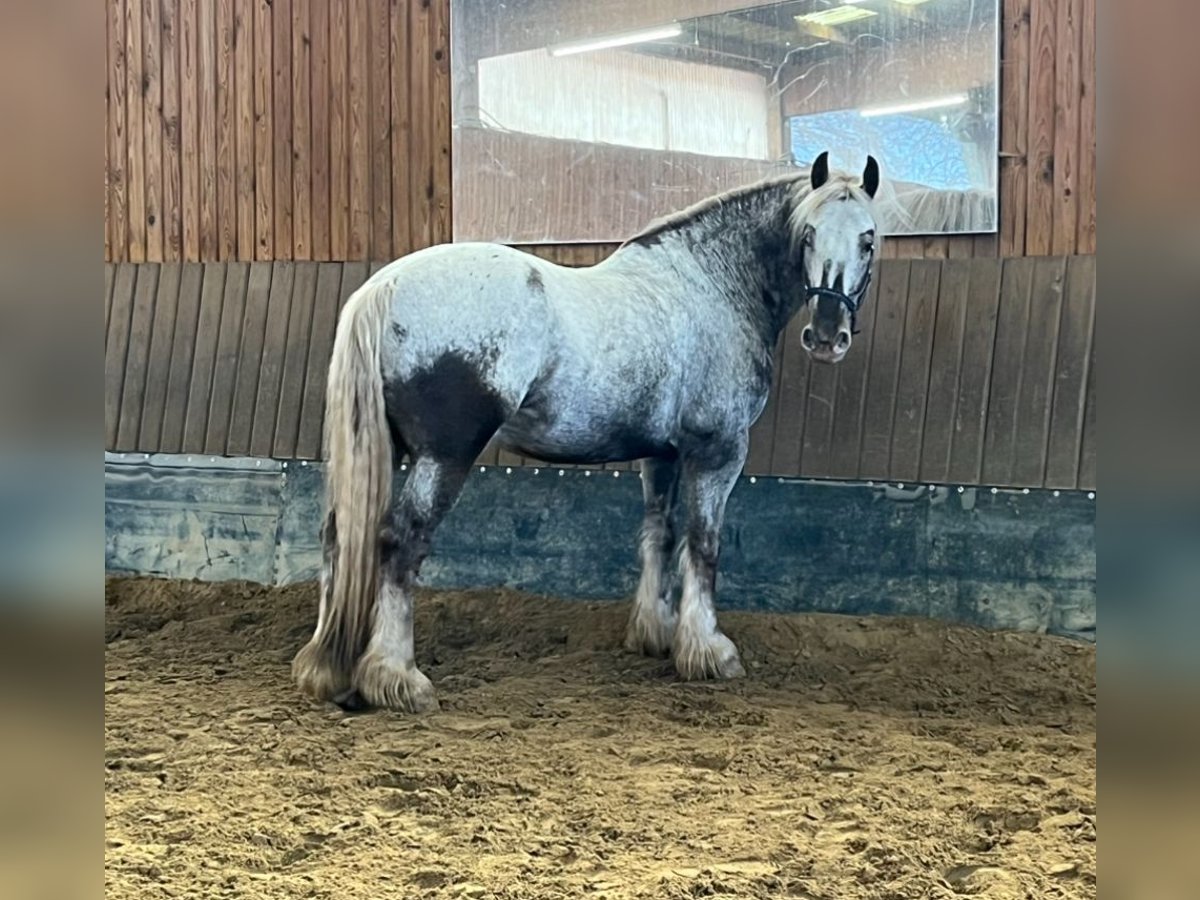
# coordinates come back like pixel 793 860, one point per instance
pixel 835 228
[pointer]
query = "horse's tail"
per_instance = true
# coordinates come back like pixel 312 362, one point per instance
pixel 358 484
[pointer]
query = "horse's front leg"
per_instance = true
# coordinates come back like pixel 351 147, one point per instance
pixel 652 621
pixel 710 470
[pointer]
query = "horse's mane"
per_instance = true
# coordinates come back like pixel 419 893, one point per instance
pixel 804 201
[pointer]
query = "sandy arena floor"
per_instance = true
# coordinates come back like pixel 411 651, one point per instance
pixel 861 758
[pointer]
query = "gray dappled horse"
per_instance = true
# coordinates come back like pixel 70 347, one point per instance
pixel 661 353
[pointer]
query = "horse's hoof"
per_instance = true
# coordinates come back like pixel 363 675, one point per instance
pixel 316 674
pixel 713 656
pixel 649 637
pixel 381 684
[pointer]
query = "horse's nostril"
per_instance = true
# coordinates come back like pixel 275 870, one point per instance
pixel 843 340
pixel 808 338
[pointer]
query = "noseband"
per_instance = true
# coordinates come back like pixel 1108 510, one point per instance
pixel 851 303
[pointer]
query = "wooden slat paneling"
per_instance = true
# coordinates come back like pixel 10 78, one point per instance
pixel 135 148
pixel 264 133
pixel 183 356
pixel 226 137
pixel 420 163
pixel 912 385
pixel 975 371
pixel 326 304
pixel 1066 126
pixel 225 380
pixel 172 148
pixel 207 89
pixel 137 357
pixel 159 357
pixel 358 91
pixel 152 124
pixel 1085 237
pixel 794 366
pixel 198 390
pixel 1037 377
pixel 853 374
pixel 339 126
pixel 243 77
pixel 1039 202
pixel 295 360
pixel 880 408
pixel 319 98
pixel 945 364
pixel 302 138
pixel 379 116
pixel 1071 375
pixel 274 353
pixel 117 150
pixel 1000 445
pixel 281 81
pixel 441 122
pixel 1088 441
pixel 398 50
pixel 249 359
pixel 116 349
pixel 189 129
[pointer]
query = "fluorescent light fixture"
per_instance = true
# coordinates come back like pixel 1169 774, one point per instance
pixel 915 106
pixel 838 15
pixel 661 32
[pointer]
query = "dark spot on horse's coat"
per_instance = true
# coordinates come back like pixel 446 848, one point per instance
pixel 649 240
pixel 447 410
pixel 354 417
pixel 534 281
pixel 399 332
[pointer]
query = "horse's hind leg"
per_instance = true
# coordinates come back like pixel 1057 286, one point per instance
pixel 652 620
pixel 387 673
pixel 700 649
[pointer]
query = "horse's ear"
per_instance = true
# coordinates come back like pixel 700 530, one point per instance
pixel 871 177
pixel 820 170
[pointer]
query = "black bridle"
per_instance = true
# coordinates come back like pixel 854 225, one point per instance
pixel 852 304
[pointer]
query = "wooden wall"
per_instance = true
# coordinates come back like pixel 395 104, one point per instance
pixel 320 130
pixel 965 372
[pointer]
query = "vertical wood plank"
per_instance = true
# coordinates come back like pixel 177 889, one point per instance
pixel 226 121
pixel 945 363
pixel 1014 126
pixel 880 407
pixel 324 321
pixel 354 275
pixel 135 148
pixel 206 93
pixel 295 361
pixel 189 128
pixel 379 92
pixel 1087 451
pixel 110 275
pixel 302 136
pixel 172 164
pixel 152 123
pixel 137 357
pixel 1071 375
pixel 912 387
pixel 420 172
pixel 116 349
pixel 1008 363
pixel 159 358
pixel 243 77
pixel 1085 238
pixel 1066 126
pixel 960 246
pixel 820 410
pixel 339 120
pixel 441 126
pixel 281 26
pixel 183 358
pixel 118 153
pixel 791 407
pixel 1037 379
pixel 195 393
pixel 850 404
pixel 975 370
pixel 319 92
pixel 228 360
pixel 264 132
pixel 401 128
pixel 359 133
pixel 1039 204
pixel 249 358
pixel 274 351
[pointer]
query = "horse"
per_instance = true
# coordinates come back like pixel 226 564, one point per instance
pixel 661 353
